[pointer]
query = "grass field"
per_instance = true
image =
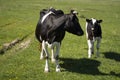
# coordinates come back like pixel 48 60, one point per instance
pixel 18 19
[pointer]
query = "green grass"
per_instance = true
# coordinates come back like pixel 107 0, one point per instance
pixel 18 18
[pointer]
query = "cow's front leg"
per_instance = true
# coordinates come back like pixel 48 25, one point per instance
pixel 47 65
pixel 90 48
pixel 42 54
pixel 57 56
pixel 46 57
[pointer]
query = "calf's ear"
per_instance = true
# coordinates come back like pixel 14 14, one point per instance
pixel 88 20
pixel 99 21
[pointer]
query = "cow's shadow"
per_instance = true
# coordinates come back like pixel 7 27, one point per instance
pixel 83 66
pixel 112 55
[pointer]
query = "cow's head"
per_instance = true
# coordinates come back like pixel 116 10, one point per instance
pixel 73 25
pixel 93 23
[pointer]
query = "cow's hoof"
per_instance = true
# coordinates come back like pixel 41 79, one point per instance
pixel 41 58
pixel 46 70
pixel 53 60
pixel 58 70
pixel 89 56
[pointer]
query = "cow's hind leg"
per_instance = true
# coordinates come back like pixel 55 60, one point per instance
pixel 42 54
pixel 53 55
pixel 57 57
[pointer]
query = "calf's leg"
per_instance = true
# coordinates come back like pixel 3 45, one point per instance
pixel 98 46
pixel 90 48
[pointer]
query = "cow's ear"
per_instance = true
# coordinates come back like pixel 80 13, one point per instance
pixel 88 20
pixel 99 21
pixel 74 12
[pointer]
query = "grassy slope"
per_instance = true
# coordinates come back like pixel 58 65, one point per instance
pixel 19 17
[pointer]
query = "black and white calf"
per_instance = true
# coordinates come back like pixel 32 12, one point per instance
pixel 93 33
pixel 50 31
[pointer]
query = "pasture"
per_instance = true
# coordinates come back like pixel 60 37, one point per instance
pixel 18 19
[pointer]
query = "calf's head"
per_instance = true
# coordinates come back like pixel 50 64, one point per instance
pixel 93 23
pixel 94 26
pixel 73 25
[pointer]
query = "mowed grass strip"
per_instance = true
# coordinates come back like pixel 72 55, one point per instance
pixel 19 18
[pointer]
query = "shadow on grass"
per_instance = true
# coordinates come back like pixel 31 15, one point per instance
pixel 84 66
pixel 112 55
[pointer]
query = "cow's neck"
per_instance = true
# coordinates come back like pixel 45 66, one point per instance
pixel 61 20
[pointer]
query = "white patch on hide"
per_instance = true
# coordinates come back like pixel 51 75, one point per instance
pixel 45 16
pixel 93 20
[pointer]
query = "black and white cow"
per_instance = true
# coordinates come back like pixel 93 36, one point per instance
pixel 50 31
pixel 93 33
